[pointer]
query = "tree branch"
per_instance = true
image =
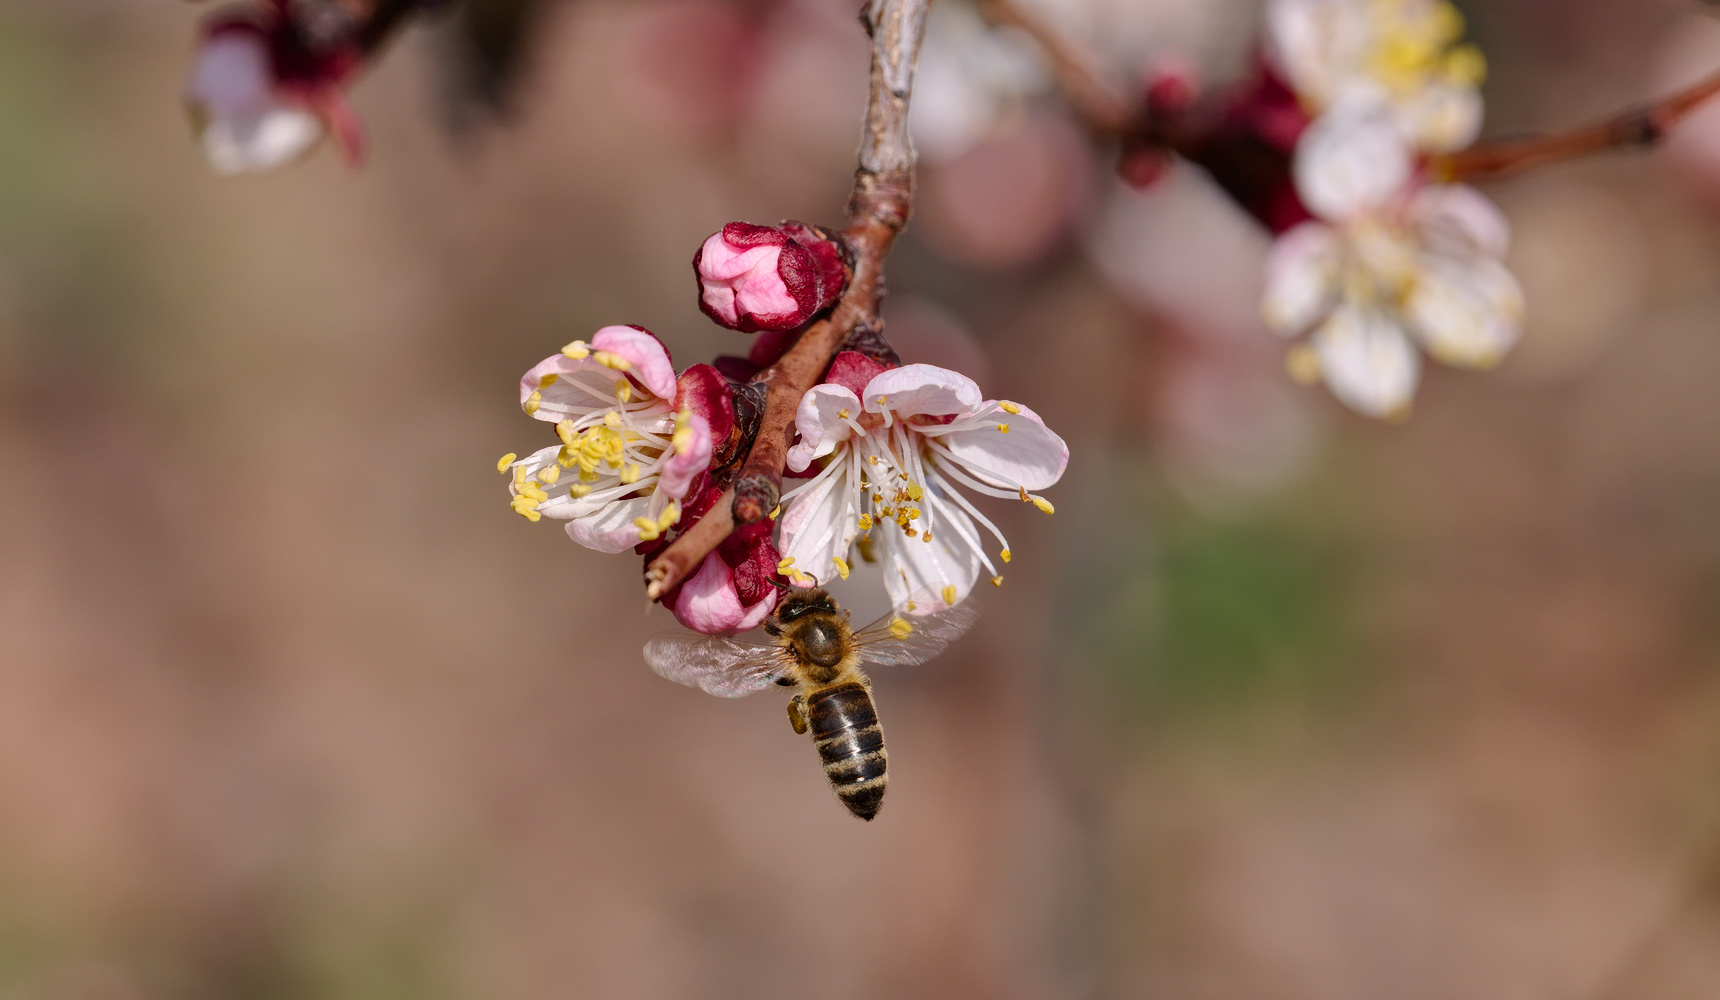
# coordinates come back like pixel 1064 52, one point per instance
pixel 878 208
pixel 1092 100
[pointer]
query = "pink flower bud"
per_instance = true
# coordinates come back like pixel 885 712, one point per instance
pixel 768 277
pixel 735 587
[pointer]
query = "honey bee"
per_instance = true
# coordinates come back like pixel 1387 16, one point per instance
pixel 811 646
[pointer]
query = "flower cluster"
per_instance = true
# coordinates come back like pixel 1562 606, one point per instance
pixel 644 454
pixel 1390 257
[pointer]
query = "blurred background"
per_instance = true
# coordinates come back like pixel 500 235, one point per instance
pixel 1282 702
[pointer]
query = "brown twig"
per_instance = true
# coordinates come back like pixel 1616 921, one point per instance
pixel 1642 126
pixel 877 210
pixel 1091 100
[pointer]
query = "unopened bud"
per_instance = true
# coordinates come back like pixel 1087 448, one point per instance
pixel 768 277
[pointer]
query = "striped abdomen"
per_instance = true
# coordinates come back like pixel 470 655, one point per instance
pixel 851 744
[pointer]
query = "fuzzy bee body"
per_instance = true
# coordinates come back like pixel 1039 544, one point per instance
pixel 814 649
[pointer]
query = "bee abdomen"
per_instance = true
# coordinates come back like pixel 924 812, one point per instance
pixel 851 744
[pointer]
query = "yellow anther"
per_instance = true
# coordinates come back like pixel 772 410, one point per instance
pixel 882 400
pixel 800 579
pixel 783 565
pixel 548 380
pixel 534 401
pixel 614 361
pixel 566 458
pixel 843 413
pixel 776 512
pixel 901 629
pixel 1466 66
pixel 564 430
pixel 682 440
pixel 1004 555
pixel 1303 364
pixel 612 420
pixel 926 537
pixel 647 529
pixel 1004 428
pixel 587 475
pixel 1008 407
pixel 670 515
pixel 505 461
pixel 630 474
pixel 841 566
pixel 577 350
pixel 578 490
pixel 997 581
pixel 549 474
pixel 865 522
pixel 950 594
pixel 913 513
pixel 872 459
pixel 915 493
pixel 910 532
pixel 531 490
pixel 528 513
pixel 623 389
pixel 1044 505
pixel 519 474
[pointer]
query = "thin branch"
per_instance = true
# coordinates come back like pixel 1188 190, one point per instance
pixel 1091 99
pixel 1642 126
pixel 877 210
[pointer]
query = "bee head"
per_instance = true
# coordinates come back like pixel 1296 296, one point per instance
pixel 799 601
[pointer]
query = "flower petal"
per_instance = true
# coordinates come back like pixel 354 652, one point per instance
pixel 1302 277
pixel 913 390
pixel 1029 455
pixel 816 527
pixel 681 466
pixel 820 425
pixel 710 604
pixel 1466 312
pixel 610 528
pixel 1459 221
pixel 1352 159
pixel 918 571
pixel 1368 362
pixel 1443 116
pixel 651 365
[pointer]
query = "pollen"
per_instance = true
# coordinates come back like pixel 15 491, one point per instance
pixel 841 566
pixel 534 401
pixel 612 420
pixel 783 565
pixel 926 537
pixel 1009 407
pixel 865 522
pixel 578 490
pixel 577 350
pixel 505 461
pixel 1044 505
pixel 901 629
pixel 776 512
pixel 623 389
pixel 670 515
pixel 915 493
pixel 1003 428
pixel 913 513
pixel 871 459
pixel 614 361
pixel 949 594
pixel 1004 555
pixel 519 474
pixel 549 474
pixel 548 380
pixel 648 531
pixel 882 400
pixel 910 532
pixel 997 581
pixel 843 414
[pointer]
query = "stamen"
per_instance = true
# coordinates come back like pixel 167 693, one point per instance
pixel 997 581
pixel 776 512
pixel 1010 408
pixel 1044 505
pixel 577 350
pixel 1004 428
pixel 670 515
pixel 783 565
pixel 841 566
pixel 567 431
pixel 1004 555
pixel 926 537
pixel 901 629
pixel 549 474
pixel 548 380
pixel 647 529
pixel 519 474
pixel 950 594
pixel 843 414
pixel 578 490
pixel 505 461
pixel 534 401
pixel 612 420
pixel 623 389
pixel 614 361
pixel 865 523
pixel 630 474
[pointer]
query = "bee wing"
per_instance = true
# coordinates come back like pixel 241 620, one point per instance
pixel 878 644
pixel 721 665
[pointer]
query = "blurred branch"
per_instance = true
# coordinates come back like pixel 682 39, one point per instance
pixel 1094 102
pixel 1642 126
pixel 878 208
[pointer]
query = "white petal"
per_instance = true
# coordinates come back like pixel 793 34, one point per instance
pixel 1030 455
pixel 817 525
pixel 820 424
pixel 1466 312
pixel 1302 277
pixel 611 528
pixel 1443 117
pixel 1351 160
pixel 1457 220
pixel 264 141
pixel 1368 362
pixel 922 389
pixel 918 571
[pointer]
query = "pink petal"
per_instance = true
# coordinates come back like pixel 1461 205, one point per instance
pixel 710 604
pixel 1031 455
pixel 678 472
pixel 610 528
pixel 704 392
pixel 651 365
pixel 922 389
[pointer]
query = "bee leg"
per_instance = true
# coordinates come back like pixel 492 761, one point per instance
pixel 797 715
